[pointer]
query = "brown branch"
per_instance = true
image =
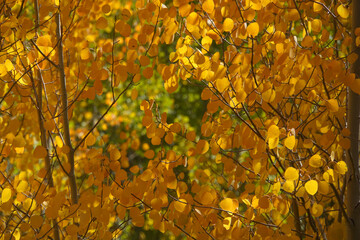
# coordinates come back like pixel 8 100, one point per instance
pixel 44 142
pixel 64 102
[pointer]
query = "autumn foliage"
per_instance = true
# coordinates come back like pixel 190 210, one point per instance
pixel 176 119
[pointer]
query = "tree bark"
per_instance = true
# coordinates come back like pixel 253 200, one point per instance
pixel 352 160
pixel 65 116
pixel 43 134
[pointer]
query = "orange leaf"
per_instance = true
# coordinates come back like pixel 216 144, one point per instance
pixel 208 6
pixel 332 105
pixel 180 205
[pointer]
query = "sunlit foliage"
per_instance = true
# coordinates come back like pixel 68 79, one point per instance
pixel 190 119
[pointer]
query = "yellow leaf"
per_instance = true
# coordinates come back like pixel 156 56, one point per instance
pixel 307 143
pixel 59 142
pixel 3 70
pixel 208 6
pixel 202 146
pixel 44 41
pixel 193 18
pixel 311 187
pixel 291 174
pixel 229 204
pixel 90 140
pixel 257 166
pixel 22 186
pixel 85 54
pixel 317 7
pixel 329 175
pixel 185 10
pixel 354 85
pixel 227 223
pixel 343 11
pixel 273 142
pixel 255 202
pixel 315 161
pixel 269 95
pixel 317 210
pixel 300 192
pixel 228 25
pixel 8 64
pixel 171 182
pixel 332 105
pixel 146 175
pixel 273 136
pixel 316 25
pixel 290 142
pixel 222 84
pixel 341 167
pixel 241 95
pixel 6 195
pixel 323 187
pixel 180 205
pixel 307 41
pixel 276 188
pixel 273 131
pixel 207 198
pixel 29 204
pixel 289 186
pixel 253 29
pixel 171 84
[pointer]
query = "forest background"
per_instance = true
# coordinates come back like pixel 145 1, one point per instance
pixel 213 119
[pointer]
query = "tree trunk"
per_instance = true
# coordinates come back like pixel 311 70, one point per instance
pixel 352 184
pixel 43 134
pixel 64 102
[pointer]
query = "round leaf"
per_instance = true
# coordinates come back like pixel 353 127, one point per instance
pixel 290 142
pixel 311 187
pixel 253 29
pixel 228 24
pixel 208 6
pixel 291 174
pixel 315 161
pixel 229 204
pixel 180 205
pixel 6 195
